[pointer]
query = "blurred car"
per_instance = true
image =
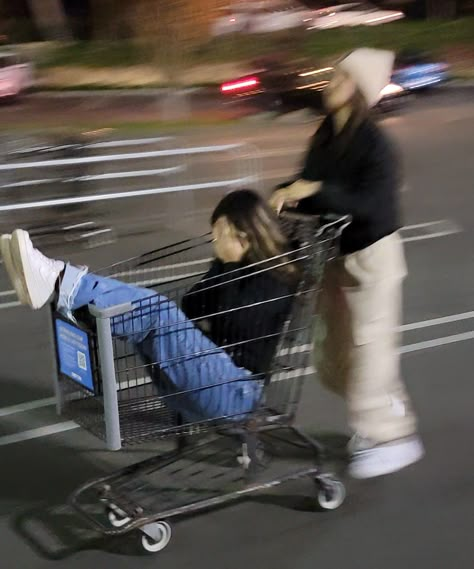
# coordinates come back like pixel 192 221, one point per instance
pixel 353 14
pixel 16 75
pixel 416 71
pixel 285 87
pixel 260 17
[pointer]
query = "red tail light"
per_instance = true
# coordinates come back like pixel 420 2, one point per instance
pixel 240 85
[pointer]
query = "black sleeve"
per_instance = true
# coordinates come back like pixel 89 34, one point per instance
pixel 202 299
pixel 265 317
pixel 313 167
pixel 256 329
pixel 312 170
pixel 376 181
pixel 198 301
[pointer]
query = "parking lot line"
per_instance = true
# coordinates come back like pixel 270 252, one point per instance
pixel 27 406
pixel 70 425
pixel 38 433
pixel 446 340
pixel 449 229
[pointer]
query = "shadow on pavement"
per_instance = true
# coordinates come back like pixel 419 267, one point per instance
pixel 38 476
pixel 54 531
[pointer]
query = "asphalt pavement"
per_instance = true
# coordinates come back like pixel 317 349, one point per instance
pixel 421 518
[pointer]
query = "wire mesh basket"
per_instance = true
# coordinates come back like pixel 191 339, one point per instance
pixel 114 389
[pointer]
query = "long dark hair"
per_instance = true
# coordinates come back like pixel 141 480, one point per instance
pixel 250 214
pixel 359 112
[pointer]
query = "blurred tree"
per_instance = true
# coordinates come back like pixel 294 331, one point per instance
pixel 170 30
pixel 50 19
pixel 78 13
pixel 115 19
pixel 441 8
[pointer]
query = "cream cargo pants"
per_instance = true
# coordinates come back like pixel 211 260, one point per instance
pixel 356 346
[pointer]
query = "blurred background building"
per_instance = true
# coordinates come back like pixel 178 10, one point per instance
pixel 29 20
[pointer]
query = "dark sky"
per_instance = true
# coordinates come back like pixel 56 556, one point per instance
pixel 77 7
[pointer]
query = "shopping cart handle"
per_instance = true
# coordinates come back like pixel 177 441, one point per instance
pixel 322 220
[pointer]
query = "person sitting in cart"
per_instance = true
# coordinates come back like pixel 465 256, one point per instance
pixel 243 301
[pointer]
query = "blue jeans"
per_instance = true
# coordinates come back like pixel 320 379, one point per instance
pixel 205 381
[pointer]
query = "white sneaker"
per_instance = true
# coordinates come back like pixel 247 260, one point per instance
pixel 37 274
pixel 377 460
pixel 10 268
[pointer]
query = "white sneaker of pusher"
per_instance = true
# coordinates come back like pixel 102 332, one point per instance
pixel 38 274
pixel 377 460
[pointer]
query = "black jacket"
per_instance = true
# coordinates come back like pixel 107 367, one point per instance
pixel 361 177
pixel 250 334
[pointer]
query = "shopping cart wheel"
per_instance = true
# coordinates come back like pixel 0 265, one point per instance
pixel 331 493
pixel 262 454
pixel 156 536
pixel 117 517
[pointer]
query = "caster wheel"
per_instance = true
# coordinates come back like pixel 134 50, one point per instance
pixel 155 537
pixel 116 517
pixel 263 457
pixel 331 494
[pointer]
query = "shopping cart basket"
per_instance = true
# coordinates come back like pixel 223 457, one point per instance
pixel 108 388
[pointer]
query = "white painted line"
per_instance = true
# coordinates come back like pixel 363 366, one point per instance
pixel 120 157
pixel 404 328
pixel 78 225
pixel 437 342
pixel 430 235
pixel 280 376
pixel 131 142
pixel 95 232
pixel 301 372
pixel 131 174
pixel 5 305
pixel 105 144
pixel 407 349
pixel 423 225
pixel 161 268
pixel 437 321
pixel 417 346
pixel 34 149
pixel 129 194
pixel 132 383
pixel 38 433
pixel 7 293
pixel 431 230
pixel 28 406
pixel 301 349
pixel 97 177
pixel 28 183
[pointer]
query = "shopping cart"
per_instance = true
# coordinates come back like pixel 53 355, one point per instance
pixel 231 451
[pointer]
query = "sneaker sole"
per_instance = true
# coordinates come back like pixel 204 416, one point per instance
pixel 21 261
pixel 362 471
pixel 15 278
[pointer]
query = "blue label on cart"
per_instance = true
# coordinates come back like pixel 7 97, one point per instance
pixel 74 355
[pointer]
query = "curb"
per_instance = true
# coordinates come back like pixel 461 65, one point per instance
pixel 188 91
pixel 71 94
